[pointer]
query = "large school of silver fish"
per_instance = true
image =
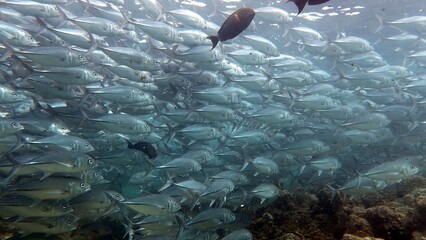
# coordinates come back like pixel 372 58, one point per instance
pixel 113 112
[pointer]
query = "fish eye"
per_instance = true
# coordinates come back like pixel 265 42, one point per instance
pixel 69 222
pixel 14 93
pixel 14 124
pixel 82 184
pixel 95 174
pixel 90 161
pixel 86 144
pixel 64 206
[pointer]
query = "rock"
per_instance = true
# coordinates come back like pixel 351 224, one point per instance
pixel 421 204
pixel 358 226
pixel 291 236
pixel 419 235
pixel 394 214
pixel 353 237
pixel 391 221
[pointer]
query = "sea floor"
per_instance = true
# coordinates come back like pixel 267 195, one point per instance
pixel 396 213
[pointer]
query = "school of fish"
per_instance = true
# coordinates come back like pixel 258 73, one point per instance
pixel 122 112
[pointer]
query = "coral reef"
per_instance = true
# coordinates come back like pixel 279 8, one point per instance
pixel 397 213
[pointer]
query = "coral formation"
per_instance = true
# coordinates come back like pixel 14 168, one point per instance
pixel 397 213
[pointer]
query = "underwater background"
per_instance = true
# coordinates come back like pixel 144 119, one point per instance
pixel 118 120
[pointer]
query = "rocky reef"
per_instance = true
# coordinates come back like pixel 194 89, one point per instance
pixel 396 213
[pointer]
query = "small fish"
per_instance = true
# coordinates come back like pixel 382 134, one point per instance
pixel 211 218
pixel 55 225
pixel 51 188
pixel 239 234
pixel 154 204
pixel 265 191
pixel 21 206
pixel 302 3
pixel 237 22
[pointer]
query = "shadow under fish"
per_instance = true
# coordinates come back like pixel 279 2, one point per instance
pixel 236 23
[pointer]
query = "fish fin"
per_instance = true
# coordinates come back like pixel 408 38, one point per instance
pixel 62 14
pixel 9 50
pixel 93 43
pixel 300 4
pixel 195 201
pixel 35 202
pixel 302 168
pixel 247 160
pixel 333 192
pixel 380 19
pixel 130 145
pixel 268 77
pixel 215 40
pixel 286 31
pixel 215 11
pixel 161 16
pixel 168 183
pixel 43 26
pixel 181 224
pixel 45 175
pixel 358 179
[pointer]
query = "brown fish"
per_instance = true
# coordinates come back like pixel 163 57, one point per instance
pixel 302 3
pixel 237 22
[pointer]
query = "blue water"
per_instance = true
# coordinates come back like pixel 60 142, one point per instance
pixel 271 158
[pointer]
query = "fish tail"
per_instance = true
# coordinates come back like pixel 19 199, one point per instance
pixel 300 4
pixel 333 192
pixel 380 19
pixel 62 13
pixel 214 40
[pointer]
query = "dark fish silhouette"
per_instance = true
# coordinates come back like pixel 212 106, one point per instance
pixel 302 3
pixel 237 22
pixel 144 147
